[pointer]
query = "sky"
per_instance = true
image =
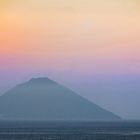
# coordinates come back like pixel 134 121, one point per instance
pixel 79 43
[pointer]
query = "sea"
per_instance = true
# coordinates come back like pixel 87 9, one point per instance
pixel 41 130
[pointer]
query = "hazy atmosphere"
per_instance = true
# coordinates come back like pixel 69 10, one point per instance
pixel 90 46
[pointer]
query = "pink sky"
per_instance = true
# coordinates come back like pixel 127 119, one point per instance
pixel 89 37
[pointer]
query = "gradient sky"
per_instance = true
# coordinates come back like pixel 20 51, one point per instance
pixel 67 39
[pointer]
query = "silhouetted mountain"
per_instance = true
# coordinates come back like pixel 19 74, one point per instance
pixel 44 99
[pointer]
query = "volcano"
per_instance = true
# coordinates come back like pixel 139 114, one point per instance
pixel 45 99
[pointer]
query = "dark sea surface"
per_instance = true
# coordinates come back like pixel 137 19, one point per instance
pixel 69 130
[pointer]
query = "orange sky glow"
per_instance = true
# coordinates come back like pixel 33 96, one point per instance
pixel 83 34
